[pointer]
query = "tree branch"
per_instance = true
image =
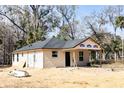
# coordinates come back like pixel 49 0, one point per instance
pixel 12 22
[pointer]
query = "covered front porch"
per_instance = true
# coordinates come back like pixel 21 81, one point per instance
pixel 83 53
pixel 81 57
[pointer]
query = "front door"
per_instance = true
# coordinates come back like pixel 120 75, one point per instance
pixel 67 58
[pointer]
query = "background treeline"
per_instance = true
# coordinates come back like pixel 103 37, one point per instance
pixel 22 25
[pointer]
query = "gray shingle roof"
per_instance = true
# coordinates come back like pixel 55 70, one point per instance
pixel 36 45
pixel 55 43
pixel 72 43
pixel 51 43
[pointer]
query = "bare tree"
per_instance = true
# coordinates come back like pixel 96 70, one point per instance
pixel 68 22
pixel 111 13
pixel 98 22
pixel 7 44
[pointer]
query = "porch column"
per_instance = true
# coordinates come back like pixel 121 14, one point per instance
pixel 96 55
pixel 89 55
pixel 103 55
pixel 100 58
pixel 74 58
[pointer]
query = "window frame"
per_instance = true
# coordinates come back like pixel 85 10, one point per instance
pixel 89 46
pixel 81 56
pixel 54 54
pixel 95 46
pixel 82 45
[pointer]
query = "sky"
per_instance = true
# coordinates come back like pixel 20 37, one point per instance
pixel 84 10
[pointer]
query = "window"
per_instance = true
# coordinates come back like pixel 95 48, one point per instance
pixel 13 57
pixel 17 57
pixel 89 46
pixel 95 46
pixel 54 53
pixel 82 45
pixel 81 56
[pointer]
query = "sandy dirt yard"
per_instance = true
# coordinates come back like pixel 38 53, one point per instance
pixel 64 78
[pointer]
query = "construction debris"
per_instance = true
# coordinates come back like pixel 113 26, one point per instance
pixel 19 73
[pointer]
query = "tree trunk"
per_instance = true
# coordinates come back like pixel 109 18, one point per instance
pixel 122 48
pixel 115 54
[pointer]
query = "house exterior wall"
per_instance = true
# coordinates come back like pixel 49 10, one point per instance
pixel 39 59
pixel 71 58
pixel 74 57
pixel 44 58
pixel 86 51
pixel 50 61
pixel 89 41
pixel 14 62
pixel 85 58
pixel 28 57
pixel 30 61
pixel 21 58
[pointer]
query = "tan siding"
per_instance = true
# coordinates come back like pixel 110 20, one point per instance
pixel 85 57
pixel 89 41
pixel 50 61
